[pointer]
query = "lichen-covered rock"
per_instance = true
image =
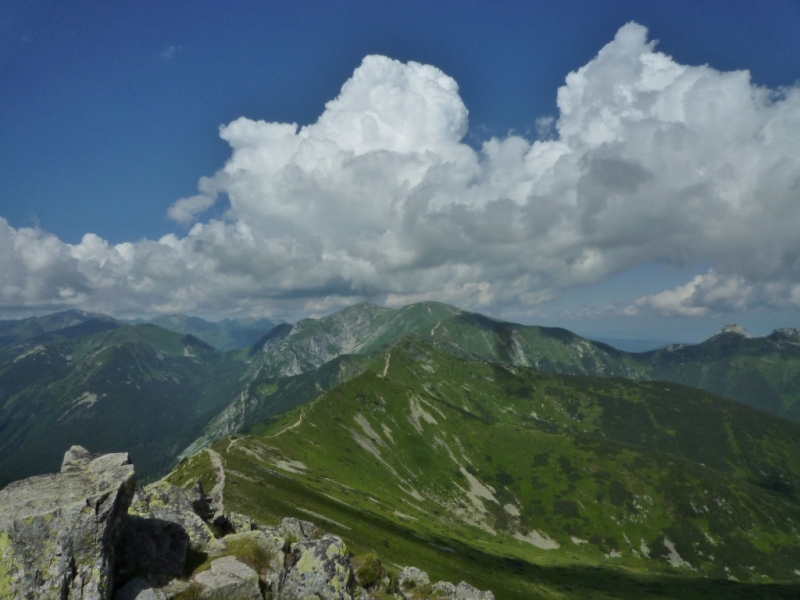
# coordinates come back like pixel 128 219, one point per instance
pixel 296 530
pixel 151 588
pixel 319 569
pixel 58 532
pixel 260 550
pixel 239 522
pixel 229 579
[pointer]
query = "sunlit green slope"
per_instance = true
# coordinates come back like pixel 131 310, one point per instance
pixel 531 484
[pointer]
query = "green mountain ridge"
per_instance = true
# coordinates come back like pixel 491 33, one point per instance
pixel 513 478
pixel 14 331
pixel 754 371
pixel 280 370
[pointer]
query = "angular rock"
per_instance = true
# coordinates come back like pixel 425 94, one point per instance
pixel 411 577
pixel 319 569
pixel 150 588
pixel 201 503
pixel 167 502
pixel 58 532
pixel 465 591
pixel 296 530
pixel 462 591
pixel 229 579
pixel 239 522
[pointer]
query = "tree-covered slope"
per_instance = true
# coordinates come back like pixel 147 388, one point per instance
pixel 532 484
pixel 141 389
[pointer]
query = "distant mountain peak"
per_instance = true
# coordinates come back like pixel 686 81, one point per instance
pixel 734 329
pixel 786 333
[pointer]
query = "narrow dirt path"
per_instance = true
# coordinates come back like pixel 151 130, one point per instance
pixel 217 491
pixel 293 425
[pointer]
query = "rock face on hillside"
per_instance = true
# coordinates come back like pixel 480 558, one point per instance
pixel 58 532
pixel 89 533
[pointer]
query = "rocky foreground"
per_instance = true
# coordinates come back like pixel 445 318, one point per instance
pixel 91 533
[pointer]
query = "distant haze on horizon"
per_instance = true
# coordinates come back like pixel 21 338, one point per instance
pixel 639 183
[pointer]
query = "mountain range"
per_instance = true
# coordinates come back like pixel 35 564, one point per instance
pixel 527 459
pixel 78 373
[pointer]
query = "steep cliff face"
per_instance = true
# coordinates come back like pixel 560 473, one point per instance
pixel 89 533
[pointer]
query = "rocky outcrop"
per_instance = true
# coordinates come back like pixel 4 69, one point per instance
pixel 58 533
pixel 89 533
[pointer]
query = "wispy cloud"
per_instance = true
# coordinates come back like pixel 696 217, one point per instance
pixel 170 51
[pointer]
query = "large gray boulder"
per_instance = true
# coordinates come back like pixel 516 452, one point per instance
pixel 58 532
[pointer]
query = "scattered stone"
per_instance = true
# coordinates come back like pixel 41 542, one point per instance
pixel 228 579
pixel 462 591
pixel 58 533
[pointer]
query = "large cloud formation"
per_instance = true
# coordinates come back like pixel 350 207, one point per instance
pixel 652 161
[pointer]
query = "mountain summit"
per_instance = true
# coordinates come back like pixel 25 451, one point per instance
pixel 734 329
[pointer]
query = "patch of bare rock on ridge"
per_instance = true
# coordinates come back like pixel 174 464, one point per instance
pixel 91 533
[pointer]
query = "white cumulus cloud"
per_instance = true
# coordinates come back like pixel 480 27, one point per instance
pixel 648 161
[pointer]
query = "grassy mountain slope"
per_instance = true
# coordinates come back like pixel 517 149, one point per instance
pixel 762 372
pixel 141 389
pixel 530 484
pixel 228 334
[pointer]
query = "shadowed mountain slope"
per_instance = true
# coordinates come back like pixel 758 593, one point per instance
pixel 228 334
pixel 138 388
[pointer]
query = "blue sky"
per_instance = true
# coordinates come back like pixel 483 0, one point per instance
pixel 111 114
